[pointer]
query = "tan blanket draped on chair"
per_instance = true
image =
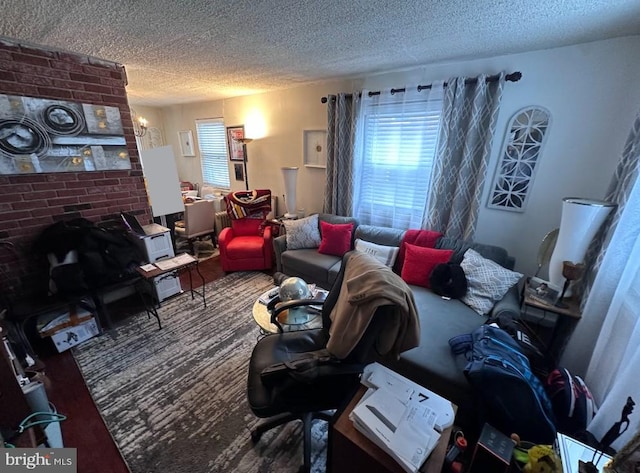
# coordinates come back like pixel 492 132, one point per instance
pixel 367 285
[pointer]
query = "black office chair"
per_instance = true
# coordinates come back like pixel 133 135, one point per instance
pixel 292 376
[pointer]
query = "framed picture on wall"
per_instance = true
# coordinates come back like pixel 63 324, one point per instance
pixel 186 143
pixel 239 172
pixel 236 150
pixel 46 136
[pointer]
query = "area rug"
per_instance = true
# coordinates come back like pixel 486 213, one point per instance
pixel 174 399
pixel 202 249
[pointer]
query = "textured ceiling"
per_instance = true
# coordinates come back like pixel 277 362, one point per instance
pixel 195 50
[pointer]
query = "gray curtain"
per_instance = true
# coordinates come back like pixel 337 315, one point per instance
pixel 607 255
pixel 340 138
pixel 468 122
pixel 622 182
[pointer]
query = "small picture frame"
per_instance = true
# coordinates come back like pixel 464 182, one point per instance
pixel 541 291
pixel 315 148
pixel 186 143
pixel 236 150
pixel 239 171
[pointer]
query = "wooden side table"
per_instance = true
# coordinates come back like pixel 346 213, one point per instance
pixel 349 450
pixel 172 267
pixel 566 319
pixel 276 226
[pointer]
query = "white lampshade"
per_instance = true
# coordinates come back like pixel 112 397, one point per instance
pixel 581 219
pixel 290 175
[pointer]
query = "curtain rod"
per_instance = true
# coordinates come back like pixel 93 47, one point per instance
pixel 513 77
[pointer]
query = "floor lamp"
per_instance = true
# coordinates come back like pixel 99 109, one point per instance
pixel 290 174
pixel 244 142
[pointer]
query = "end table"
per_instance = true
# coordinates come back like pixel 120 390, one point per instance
pixel 566 319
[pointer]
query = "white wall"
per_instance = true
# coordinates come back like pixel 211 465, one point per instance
pixel 590 90
pixel 180 118
pixel 276 121
pixel 592 94
pixel 155 119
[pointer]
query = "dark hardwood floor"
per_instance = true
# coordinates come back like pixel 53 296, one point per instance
pixel 84 428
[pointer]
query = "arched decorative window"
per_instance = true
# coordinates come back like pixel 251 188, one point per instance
pixel 521 150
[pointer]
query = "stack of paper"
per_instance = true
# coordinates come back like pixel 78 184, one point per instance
pixel 401 417
pixel 175 262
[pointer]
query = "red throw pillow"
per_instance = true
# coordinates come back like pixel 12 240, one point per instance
pixel 336 238
pixel 423 238
pixel 419 262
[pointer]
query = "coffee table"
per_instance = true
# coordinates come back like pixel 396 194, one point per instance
pixel 299 318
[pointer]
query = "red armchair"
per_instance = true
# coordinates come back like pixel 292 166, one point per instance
pixel 246 245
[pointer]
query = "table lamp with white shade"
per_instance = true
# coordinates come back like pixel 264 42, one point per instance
pixel 581 219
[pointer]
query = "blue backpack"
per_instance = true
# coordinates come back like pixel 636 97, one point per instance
pixel 512 398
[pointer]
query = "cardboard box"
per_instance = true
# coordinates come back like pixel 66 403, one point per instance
pixel 53 322
pixel 71 336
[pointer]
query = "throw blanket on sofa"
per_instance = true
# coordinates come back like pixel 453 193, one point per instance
pixel 252 204
pixel 367 285
pixel 424 238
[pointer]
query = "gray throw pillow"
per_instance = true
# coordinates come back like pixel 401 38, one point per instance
pixel 487 281
pixel 302 233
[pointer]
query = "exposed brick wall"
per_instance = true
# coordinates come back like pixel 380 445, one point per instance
pixel 31 202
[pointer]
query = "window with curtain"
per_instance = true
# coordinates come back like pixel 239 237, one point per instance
pixel 612 372
pixel 395 147
pixel 213 152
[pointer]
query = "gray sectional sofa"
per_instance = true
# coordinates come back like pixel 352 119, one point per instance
pixel 431 364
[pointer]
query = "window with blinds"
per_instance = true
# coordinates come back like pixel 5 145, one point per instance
pixel 398 146
pixel 213 152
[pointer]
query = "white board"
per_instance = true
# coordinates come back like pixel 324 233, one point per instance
pixel 163 183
